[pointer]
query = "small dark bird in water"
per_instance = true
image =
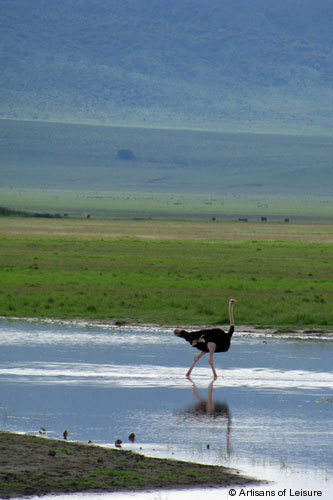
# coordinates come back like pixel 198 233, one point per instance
pixel 131 437
pixel 65 434
pixel 213 340
pixel 118 443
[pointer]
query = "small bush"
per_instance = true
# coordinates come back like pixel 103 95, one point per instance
pixel 91 308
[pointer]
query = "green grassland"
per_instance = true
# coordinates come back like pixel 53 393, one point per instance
pixel 107 204
pixel 151 251
pixel 170 228
pixel 285 283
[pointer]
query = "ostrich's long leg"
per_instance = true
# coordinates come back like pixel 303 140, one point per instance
pixel 211 347
pixel 196 359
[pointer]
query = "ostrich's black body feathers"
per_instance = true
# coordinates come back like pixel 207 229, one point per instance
pixel 200 339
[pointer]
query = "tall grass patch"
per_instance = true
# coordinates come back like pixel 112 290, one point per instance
pixel 167 282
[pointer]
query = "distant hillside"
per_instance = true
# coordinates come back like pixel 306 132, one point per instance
pixel 227 64
pixel 119 159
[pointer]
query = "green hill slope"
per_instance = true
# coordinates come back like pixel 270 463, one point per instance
pixel 86 157
pixel 225 64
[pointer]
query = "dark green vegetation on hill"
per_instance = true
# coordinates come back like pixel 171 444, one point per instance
pixel 8 212
pixel 38 466
pixel 228 64
pixel 167 282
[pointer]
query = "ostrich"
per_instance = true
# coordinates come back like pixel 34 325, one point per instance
pixel 214 340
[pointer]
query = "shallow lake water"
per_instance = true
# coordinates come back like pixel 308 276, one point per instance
pixel 269 414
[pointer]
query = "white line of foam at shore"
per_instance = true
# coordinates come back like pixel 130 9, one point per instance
pixel 114 375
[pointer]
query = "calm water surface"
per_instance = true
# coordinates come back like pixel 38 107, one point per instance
pixel 270 412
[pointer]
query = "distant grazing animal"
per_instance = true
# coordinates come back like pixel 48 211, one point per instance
pixel 213 340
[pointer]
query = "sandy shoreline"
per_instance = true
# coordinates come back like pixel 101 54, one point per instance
pixel 31 465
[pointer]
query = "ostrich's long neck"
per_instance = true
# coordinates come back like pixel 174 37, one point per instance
pixel 231 314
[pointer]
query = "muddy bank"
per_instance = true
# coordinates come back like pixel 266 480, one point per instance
pixel 32 465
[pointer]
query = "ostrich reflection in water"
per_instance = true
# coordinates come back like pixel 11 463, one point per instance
pixel 208 410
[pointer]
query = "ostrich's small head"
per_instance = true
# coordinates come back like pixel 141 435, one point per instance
pixel 232 301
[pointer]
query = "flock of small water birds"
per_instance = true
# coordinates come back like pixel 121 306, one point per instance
pixel 118 442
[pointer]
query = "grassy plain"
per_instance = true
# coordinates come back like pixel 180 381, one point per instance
pixel 76 167
pixel 168 229
pixel 106 204
pixel 167 272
